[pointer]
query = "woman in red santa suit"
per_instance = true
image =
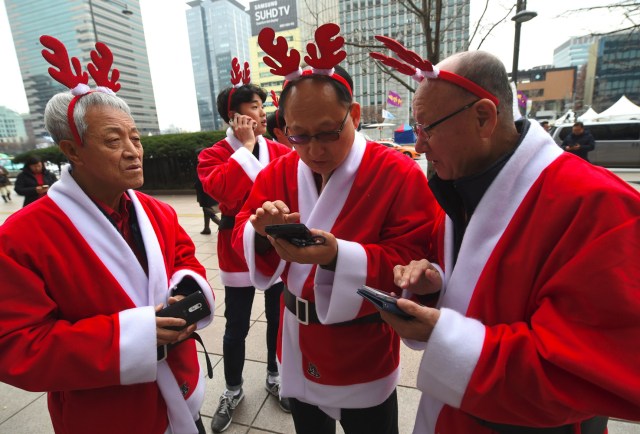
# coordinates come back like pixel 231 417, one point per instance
pixel 227 171
pixel 339 361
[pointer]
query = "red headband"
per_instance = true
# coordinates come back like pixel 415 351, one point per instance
pixel 418 68
pixel 70 73
pixel 322 56
pixel 238 78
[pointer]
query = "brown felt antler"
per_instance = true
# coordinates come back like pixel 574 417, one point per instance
pixel 280 59
pixel 59 58
pixel 102 59
pixel 326 55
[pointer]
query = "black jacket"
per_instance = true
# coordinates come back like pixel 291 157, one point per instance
pixel 26 184
pixel 585 140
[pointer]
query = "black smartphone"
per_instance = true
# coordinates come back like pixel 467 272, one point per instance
pixel 192 309
pixel 295 233
pixel 382 300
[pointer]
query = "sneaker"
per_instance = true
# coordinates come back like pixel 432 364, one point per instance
pixel 274 389
pixel 223 417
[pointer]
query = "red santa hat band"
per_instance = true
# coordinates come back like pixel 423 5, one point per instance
pixel 69 73
pixel 238 78
pixel 418 68
pixel 322 57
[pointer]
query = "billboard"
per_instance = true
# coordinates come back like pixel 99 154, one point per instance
pixel 278 14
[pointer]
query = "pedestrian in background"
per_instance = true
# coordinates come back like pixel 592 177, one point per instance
pixel 208 204
pixel 579 141
pixel 5 182
pixel 34 180
pixel 536 324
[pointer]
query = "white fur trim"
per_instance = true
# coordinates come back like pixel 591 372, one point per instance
pixel 235 278
pixel 259 280
pixel 451 356
pixel 180 418
pixel 204 286
pixel 245 158
pixel 293 75
pixel 335 293
pixel 80 89
pixel 106 90
pixel 328 72
pixel 418 76
pixel 137 352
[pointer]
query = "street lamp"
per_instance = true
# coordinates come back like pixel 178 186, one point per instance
pixel 522 16
pixel 125 11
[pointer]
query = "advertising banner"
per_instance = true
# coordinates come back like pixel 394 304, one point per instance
pixel 278 14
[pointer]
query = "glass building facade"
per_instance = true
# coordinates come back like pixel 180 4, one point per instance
pixel 218 31
pixel 79 24
pixel 573 52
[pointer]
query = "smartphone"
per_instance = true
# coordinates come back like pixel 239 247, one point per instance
pixel 382 300
pixel 295 233
pixel 192 309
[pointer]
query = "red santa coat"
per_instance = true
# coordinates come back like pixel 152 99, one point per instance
pixel 539 318
pixel 78 316
pixel 227 171
pixel 379 207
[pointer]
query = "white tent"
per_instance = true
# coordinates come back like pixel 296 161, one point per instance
pixel 588 115
pixel 568 118
pixel 623 109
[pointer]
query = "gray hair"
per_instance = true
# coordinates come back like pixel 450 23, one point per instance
pixel 489 72
pixel 55 114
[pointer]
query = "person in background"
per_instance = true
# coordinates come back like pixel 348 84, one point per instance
pixel 545 125
pixel 538 304
pixel 34 180
pixel 339 361
pixel 227 171
pixel 208 204
pixel 276 126
pixel 85 269
pixel 5 182
pixel 579 141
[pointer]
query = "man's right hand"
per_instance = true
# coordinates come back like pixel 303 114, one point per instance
pixel 272 213
pixel 243 129
pixel 165 336
pixel 419 277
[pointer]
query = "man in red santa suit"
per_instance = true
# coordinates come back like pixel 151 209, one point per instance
pixel 536 326
pixel 84 270
pixel 227 171
pixel 338 360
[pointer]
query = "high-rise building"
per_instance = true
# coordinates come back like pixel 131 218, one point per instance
pixel 362 20
pixel 573 52
pixel 616 72
pixel 219 30
pixel 12 128
pixel 79 24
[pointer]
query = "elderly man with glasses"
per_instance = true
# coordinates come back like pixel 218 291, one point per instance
pixel 371 208
pixel 537 314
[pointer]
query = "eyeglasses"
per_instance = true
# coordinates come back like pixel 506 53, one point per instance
pixel 324 136
pixel 419 128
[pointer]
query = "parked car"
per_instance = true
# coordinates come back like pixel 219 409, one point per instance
pixel 409 151
pixel 617 142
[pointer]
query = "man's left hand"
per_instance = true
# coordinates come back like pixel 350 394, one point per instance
pixel 418 328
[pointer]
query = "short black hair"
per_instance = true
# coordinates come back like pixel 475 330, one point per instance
pixel 275 120
pixel 241 95
pixel 32 159
pixel 544 122
pixel 578 124
pixel 344 95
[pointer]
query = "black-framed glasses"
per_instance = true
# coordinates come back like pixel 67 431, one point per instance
pixel 324 136
pixel 425 129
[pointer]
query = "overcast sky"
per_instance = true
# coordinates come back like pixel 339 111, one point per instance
pixel 166 32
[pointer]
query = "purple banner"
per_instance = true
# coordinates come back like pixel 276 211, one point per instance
pixel 394 99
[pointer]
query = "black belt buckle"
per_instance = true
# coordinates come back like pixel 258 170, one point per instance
pixel 302 311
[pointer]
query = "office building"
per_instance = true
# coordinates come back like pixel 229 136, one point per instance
pixel 552 91
pixel 12 128
pixel 219 30
pixel 573 52
pixel 614 71
pixel 362 20
pixel 79 24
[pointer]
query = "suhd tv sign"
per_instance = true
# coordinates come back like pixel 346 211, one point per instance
pixel 278 14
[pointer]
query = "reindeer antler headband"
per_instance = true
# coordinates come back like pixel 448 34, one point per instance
pixel 238 78
pixel 418 68
pixel 276 104
pixel 70 73
pixel 322 56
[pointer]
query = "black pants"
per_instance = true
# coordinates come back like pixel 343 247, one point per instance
pixel 381 419
pixel 238 302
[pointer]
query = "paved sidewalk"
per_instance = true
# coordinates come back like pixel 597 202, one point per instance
pixel 26 412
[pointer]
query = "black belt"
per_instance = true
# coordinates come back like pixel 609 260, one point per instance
pixel 227 222
pixel 306 313
pixel 595 425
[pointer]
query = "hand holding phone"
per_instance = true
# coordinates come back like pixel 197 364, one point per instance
pixel 382 301
pixel 192 309
pixel 296 233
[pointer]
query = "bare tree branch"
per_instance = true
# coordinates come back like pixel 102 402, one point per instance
pixel 494 26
